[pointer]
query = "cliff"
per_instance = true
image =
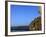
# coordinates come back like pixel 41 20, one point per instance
pixel 36 24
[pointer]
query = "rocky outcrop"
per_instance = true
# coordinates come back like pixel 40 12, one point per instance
pixel 36 24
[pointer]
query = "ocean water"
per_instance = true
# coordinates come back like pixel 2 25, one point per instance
pixel 19 28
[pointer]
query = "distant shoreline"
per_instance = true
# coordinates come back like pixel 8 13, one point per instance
pixel 19 28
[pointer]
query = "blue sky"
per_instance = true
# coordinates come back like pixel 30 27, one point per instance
pixel 22 15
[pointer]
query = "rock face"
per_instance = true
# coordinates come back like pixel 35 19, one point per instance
pixel 36 24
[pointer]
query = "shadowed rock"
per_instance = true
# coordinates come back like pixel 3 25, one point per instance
pixel 36 24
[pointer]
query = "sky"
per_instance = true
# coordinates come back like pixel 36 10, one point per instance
pixel 22 15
